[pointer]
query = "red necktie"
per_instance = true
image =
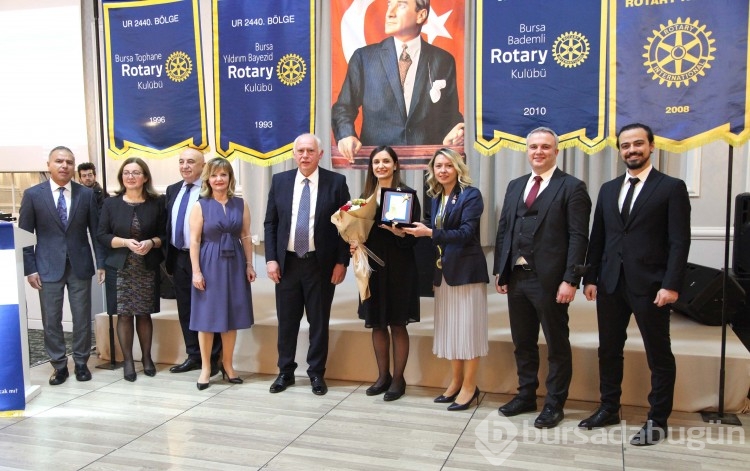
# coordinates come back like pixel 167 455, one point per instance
pixel 534 191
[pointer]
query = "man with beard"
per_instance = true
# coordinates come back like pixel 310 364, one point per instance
pixel 637 255
pixel 87 177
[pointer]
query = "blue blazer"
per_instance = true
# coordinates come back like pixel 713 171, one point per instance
pixel 652 248
pixel 172 191
pixel 333 193
pixel 561 236
pixel 55 243
pixel 373 83
pixel 463 259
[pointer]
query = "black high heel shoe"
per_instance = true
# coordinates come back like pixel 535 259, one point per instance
pixel 375 390
pixel 455 407
pixel 129 376
pixel 441 399
pixel 224 375
pixel 202 386
pixel 149 370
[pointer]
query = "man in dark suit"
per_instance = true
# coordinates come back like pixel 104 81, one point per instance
pixel 63 214
pixel 305 257
pixel 637 259
pixel 539 254
pixel 178 263
pixel 405 86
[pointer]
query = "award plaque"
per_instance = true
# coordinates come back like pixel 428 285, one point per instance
pixel 397 206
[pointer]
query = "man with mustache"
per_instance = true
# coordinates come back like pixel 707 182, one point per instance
pixel 637 259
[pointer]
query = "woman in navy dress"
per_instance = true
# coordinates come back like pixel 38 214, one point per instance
pixel 220 252
pixel 394 288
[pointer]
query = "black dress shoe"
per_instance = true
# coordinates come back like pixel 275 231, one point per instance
pixel 375 390
pixel 549 418
pixel 188 365
pixel 83 373
pixel 149 369
pixel 318 384
pixel 600 418
pixel 441 399
pixel 392 395
pixel 59 376
pixel 518 405
pixel 650 434
pixel 282 382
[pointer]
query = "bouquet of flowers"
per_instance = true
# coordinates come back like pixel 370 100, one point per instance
pixel 354 221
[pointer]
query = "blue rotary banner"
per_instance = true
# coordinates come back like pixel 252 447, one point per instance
pixel 154 78
pixel 12 391
pixel 540 63
pixel 264 77
pixel 681 67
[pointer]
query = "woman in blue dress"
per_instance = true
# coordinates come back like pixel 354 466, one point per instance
pixel 221 253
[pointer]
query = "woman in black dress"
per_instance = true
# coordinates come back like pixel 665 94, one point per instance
pixel 394 300
pixel 132 226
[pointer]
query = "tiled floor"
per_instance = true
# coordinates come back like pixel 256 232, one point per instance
pixel 165 422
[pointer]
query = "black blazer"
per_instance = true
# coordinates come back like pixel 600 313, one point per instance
pixel 463 258
pixel 333 193
pixel 115 221
pixel 652 248
pixel 373 83
pixel 561 235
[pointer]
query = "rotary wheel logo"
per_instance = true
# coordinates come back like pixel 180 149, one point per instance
pixel 571 49
pixel 679 52
pixel 291 69
pixel 179 66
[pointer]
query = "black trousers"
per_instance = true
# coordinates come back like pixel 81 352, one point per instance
pixel 531 306
pixel 303 288
pixel 613 316
pixel 182 278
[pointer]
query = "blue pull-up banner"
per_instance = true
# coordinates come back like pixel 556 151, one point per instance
pixel 154 74
pixel 540 63
pixel 264 77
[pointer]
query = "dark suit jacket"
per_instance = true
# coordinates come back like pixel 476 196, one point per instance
pixel 333 193
pixel 372 82
pixel 463 259
pixel 561 236
pixel 116 218
pixel 55 243
pixel 652 248
pixel 172 191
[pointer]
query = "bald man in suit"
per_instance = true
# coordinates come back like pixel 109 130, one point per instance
pixel 62 214
pixel 305 257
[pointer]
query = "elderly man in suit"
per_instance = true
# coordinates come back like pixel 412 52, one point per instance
pixel 63 214
pixel 405 86
pixel 638 254
pixel 305 257
pixel 181 197
pixel 539 255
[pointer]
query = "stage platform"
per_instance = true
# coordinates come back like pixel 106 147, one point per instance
pixel 696 347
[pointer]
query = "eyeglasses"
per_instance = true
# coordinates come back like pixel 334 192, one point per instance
pixel 132 174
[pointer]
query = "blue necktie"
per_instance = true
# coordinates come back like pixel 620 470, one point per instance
pixel 179 229
pixel 62 207
pixel 302 231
